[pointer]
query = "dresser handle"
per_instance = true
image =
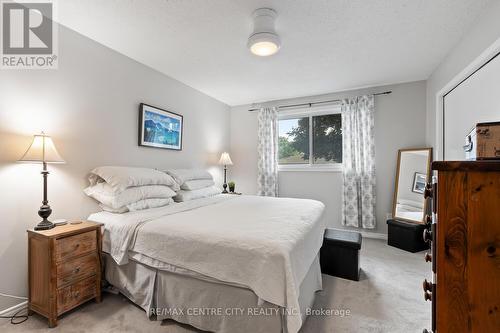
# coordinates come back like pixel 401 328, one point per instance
pixel 428 219
pixel 77 246
pixel 428 296
pixel 427 286
pixel 76 270
pixel 427 236
pixel 428 191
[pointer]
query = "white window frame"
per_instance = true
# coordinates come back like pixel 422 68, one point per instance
pixel 310 112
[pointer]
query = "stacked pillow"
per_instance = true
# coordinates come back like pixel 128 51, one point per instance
pixel 194 184
pixel 123 189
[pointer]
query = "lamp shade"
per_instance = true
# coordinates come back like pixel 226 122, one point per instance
pixel 42 150
pixel 225 159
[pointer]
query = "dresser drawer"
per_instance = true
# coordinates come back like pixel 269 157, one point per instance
pixel 75 294
pixel 75 245
pixel 76 269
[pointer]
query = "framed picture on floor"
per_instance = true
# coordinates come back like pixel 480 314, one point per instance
pixel 419 181
pixel 159 128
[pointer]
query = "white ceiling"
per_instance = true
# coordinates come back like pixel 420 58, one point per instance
pixel 327 45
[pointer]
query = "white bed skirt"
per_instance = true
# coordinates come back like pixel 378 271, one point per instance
pixel 207 305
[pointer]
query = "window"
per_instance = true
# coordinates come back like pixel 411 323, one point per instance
pixel 310 140
pixel 294 141
pixel 327 139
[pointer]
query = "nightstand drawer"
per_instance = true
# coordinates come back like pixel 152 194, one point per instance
pixel 75 294
pixel 76 269
pixel 75 245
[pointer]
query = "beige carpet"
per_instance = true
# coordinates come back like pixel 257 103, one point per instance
pixel 388 299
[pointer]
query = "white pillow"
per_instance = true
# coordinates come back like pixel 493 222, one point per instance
pixel 183 175
pixel 196 184
pixel 149 203
pixel 183 195
pixel 120 178
pixel 139 205
pixel 120 210
pixel 104 193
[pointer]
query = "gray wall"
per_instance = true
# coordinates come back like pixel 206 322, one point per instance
pixel 399 123
pixel 474 101
pixel 90 108
pixel 483 34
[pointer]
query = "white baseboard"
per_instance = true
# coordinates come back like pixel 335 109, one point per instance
pixel 13 309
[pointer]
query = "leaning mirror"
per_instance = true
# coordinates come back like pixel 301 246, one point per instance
pixel 411 177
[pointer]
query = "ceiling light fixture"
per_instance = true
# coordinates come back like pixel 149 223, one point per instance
pixel 264 41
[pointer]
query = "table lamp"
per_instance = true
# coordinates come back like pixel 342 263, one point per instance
pixel 42 150
pixel 225 160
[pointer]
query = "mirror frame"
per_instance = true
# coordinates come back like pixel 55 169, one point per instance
pixel 396 186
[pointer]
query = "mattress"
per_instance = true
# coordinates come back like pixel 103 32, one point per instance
pixel 414 216
pixel 266 245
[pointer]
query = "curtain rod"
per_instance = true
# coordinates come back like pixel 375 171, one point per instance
pixel 310 104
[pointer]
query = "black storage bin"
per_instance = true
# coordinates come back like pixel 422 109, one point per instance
pixel 339 255
pixel 406 236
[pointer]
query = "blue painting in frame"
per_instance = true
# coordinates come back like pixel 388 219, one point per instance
pixel 159 128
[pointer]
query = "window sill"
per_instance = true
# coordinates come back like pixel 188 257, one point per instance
pixel 309 168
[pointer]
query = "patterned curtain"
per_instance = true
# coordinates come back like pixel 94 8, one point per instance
pixel 268 152
pixel 358 156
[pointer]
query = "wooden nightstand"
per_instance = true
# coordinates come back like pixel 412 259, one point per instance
pixel 64 268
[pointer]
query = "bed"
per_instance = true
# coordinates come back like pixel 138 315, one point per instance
pixel 410 209
pixel 222 264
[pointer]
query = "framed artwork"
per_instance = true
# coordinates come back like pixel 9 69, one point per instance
pixel 159 128
pixel 419 181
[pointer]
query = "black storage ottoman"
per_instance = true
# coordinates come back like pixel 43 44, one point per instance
pixel 406 235
pixel 339 255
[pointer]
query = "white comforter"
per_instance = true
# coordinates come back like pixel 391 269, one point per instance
pixel 265 244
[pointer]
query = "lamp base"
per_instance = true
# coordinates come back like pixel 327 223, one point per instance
pixel 44 212
pixel 225 188
pixel 45 225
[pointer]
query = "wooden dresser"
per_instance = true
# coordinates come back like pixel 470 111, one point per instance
pixel 64 268
pixel 465 235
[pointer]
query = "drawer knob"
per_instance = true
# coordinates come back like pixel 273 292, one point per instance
pixel 428 219
pixel 76 270
pixel 427 236
pixel 428 257
pixel 428 296
pixel 428 191
pixel 76 294
pixel 427 286
pixel 77 246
